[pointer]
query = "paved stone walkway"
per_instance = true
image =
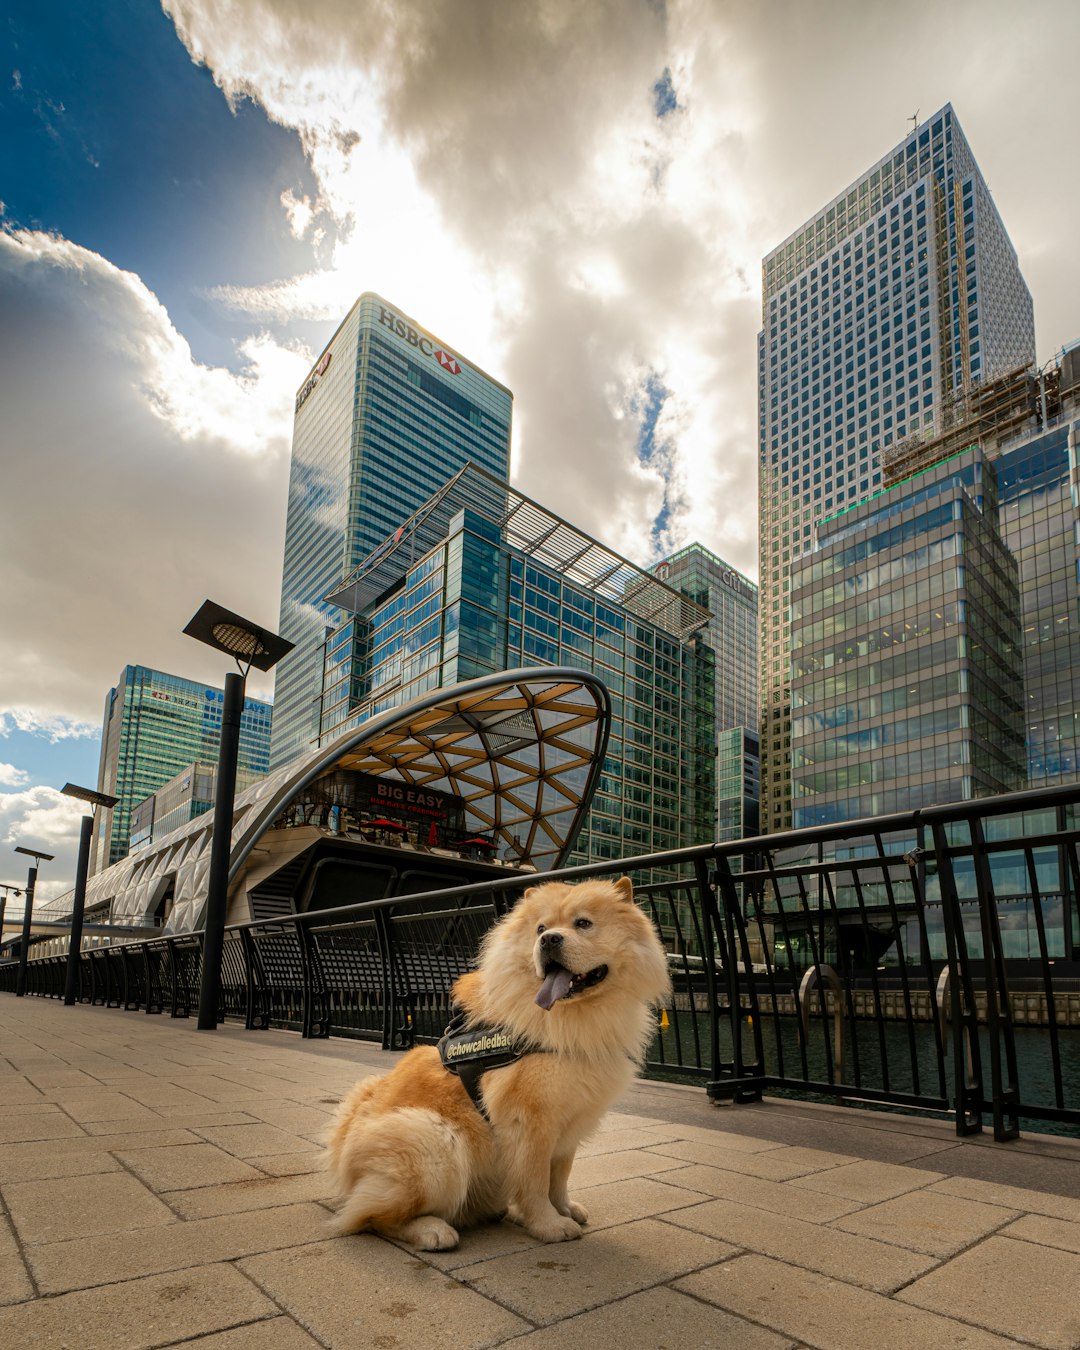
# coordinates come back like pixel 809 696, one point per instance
pixel 161 1186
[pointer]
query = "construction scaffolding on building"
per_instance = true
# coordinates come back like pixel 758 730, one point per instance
pixel 988 414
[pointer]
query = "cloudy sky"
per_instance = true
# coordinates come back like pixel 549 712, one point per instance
pixel 577 196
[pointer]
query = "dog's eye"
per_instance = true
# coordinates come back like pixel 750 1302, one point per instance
pixel 583 923
pixel 539 929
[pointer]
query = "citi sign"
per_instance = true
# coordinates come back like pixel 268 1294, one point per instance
pixel 415 339
pixel 312 380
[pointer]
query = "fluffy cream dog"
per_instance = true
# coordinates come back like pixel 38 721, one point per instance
pixel 570 977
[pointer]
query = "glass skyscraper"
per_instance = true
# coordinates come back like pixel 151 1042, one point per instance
pixel 1028 424
pixel 387 414
pixel 732 633
pixel 156 724
pixel 482 579
pixel 907 669
pixel 898 295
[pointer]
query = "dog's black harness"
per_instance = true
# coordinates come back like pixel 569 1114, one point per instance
pixel 470 1054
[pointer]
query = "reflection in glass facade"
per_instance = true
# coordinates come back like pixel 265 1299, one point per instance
pixel 906 666
pixel 518 587
pixel 386 415
pixel 1041 524
pixel 732 633
pixel 180 800
pixel 155 725
pixel 899 292
pixel 738 784
pixel 1027 424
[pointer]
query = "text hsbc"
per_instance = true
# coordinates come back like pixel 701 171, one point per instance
pixel 415 339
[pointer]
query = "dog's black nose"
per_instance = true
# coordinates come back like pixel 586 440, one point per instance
pixel 551 940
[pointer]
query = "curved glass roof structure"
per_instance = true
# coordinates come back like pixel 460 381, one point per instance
pixel 522 749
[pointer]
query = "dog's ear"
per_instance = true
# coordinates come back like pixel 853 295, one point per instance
pixel 624 887
pixel 531 891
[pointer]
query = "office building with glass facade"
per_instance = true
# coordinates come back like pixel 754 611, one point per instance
pixel 1028 424
pixel 155 724
pixel 906 668
pixel 732 633
pixel 182 799
pixel 482 579
pixel 899 293
pixel 738 785
pixel 388 413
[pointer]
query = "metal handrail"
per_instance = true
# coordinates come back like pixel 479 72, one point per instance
pixel 753 927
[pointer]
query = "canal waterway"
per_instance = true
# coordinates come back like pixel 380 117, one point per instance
pixel 884 1057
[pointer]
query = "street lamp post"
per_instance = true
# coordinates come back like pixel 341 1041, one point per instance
pixel 31 882
pixel 78 904
pixel 247 643
pixel 4 888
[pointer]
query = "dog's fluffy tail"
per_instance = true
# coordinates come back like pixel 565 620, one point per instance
pixel 397 1166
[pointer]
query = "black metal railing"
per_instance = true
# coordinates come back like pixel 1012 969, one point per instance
pixel 925 960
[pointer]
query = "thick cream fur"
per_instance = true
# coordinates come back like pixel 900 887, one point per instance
pixel 410 1154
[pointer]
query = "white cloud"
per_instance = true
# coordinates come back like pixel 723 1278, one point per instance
pixel 10 776
pixel 500 173
pixel 144 481
pixel 41 818
pixel 249 413
pixel 53 727
pixel 299 212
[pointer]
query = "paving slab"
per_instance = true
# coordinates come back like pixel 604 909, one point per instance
pixel 105 1104
pixel 1011 1197
pixel 50 1125
pixel 829 1314
pixel 634 1136
pixel 253 1141
pixel 61 1266
pixel 842 1227
pixel 926 1221
pixel 773 1164
pixel 69 1207
pixel 292 1164
pixel 657 1319
pixel 561 1279
pixel 277 1333
pixel 602 1167
pixel 362 1291
pixel 781 1197
pixel 139 1314
pixel 867 1182
pixel 14 1281
pixel 293 1117
pixel 634 1198
pixel 185 1165
pixel 874 1265
pixel 237 1197
pixel 1016 1288
pixel 32 1161
pixel 1050 1232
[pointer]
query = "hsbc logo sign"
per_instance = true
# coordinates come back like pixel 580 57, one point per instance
pixel 312 380
pixel 414 339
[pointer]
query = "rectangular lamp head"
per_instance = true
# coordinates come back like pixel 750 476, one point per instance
pixel 89 795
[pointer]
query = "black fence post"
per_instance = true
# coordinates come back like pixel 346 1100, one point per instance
pixel 24 946
pixel 999 1026
pixel 967 1057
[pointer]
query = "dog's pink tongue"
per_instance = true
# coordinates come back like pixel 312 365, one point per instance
pixel 556 986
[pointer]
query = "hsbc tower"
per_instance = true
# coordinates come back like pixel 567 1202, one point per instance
pixel 385 416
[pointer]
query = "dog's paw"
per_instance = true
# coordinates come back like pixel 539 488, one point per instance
pixel 559 1228
pixel 429 1234
pixel 575 1211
